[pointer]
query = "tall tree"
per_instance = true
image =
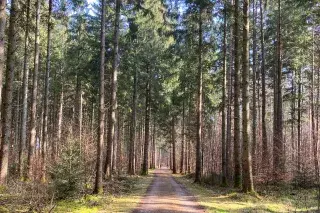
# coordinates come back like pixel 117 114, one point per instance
pixel 265 154
pixel 7 94
pixel 223 105
pixel 199 101
pixel 34 96
pixel 131 166
pixel 113 92
pixel 247 179
pixel 3 17
pixel 237 147
pixel 147 125
pixel 98 187
pixel 23 134
pixel 46 95
pixel 278 154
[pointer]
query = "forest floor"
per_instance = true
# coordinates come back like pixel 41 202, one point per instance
pixel 269 198
pixel 162 192
pixel 122 195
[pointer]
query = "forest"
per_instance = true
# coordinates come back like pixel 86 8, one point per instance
pixel 159 106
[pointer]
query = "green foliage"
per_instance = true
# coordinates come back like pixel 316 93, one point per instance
pixel 67 174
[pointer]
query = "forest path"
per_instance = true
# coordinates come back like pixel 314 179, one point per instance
pixel 165 195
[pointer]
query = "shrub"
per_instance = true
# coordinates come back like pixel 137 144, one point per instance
pixel 68 172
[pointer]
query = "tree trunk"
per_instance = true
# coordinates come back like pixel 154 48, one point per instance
pixel 199 104
pixel 265 153
pixel 98 187
pixel 254 96
pixel 22 142
pixel 46 97
pixel 223 104
pixel 33 116
pixel 247 180
pixel 299 121
pixel 313 128
pixel 7 95
pixel 237 146
pixel 182 168
pixel 147 126
pixel 132 147
pixel 229 110
pixel 3 16
pixel 113 96
pixel 278 153
pixel 174 165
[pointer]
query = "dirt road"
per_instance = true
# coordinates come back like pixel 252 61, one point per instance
pixel 165 195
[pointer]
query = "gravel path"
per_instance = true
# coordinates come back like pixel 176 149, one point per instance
pixel 165 195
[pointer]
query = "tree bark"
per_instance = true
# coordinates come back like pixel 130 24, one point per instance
pixel 223 104
pixel 23 136
pixel 7 95
pixel 3 17
pixel 113 96
pixel 174 165
pixel 98 187
pixel 265 154
pixel 182 158
pixel 313 128
pixel 199 104
pixel 33 116
pixel 278 153
pixel 247 180
pixel 132 148
pixel 147 126
pixel 237 147
pixel 46 97
pixel 254 86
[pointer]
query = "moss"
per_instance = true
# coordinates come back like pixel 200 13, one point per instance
pixel 221 199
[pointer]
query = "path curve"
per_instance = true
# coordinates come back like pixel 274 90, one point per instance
pixel 165 195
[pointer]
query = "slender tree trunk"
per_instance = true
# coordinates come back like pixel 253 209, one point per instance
pixel 60 120
pixel 237 147
pixel 229 110
pixel 33 116
pixel 223 105
pixel 133 128
pixel 199 104
pixel 313 128
pixel 78 109
pixel 3 17
pixel 23 135
pixel 247 180
pixel 182 169
pixel 278 148
pixel 113 96
pixel 265 153
pixel 254 95
pixel 174 165
pixel 147 126
pixel 7 95
pixel 299 121
pixel 98 187
pixel 46 96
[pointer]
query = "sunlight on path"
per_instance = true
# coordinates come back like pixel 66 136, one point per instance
pixel 165 195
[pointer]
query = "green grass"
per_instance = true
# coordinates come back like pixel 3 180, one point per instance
pixel 121 202
pixel 270 198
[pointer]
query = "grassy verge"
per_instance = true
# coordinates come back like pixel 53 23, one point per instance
pixel 124 201
pixel 270 198
pixel 121 195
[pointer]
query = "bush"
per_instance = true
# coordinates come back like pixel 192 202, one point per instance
pixel 68 172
